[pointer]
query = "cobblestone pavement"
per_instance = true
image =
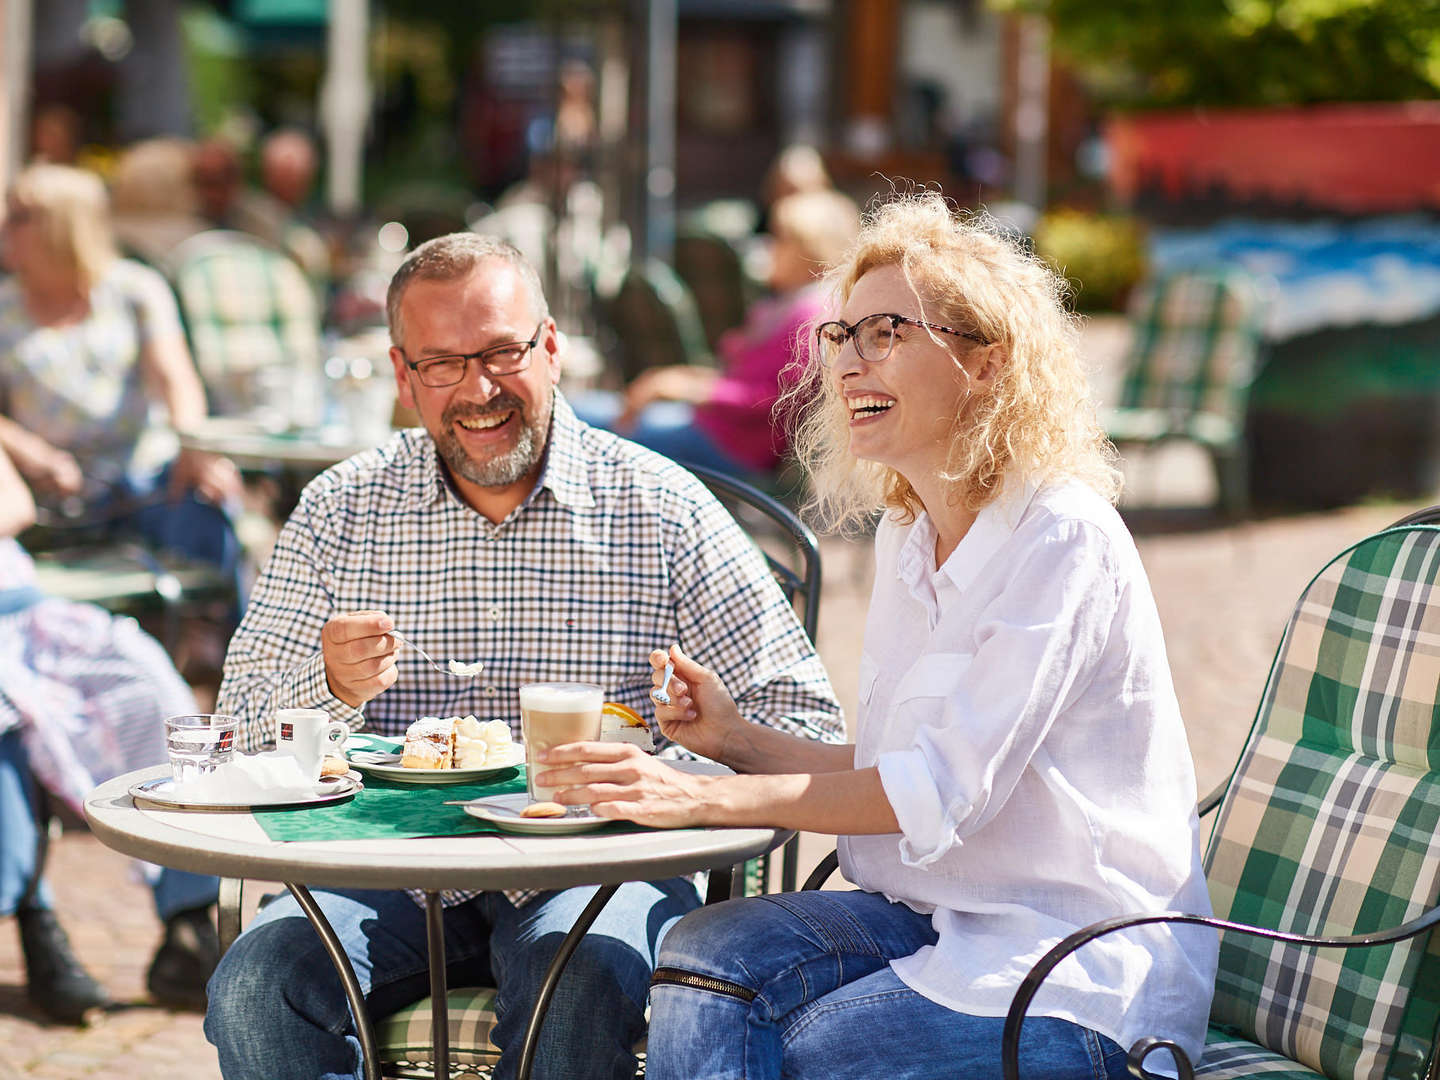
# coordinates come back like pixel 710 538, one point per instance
pixel 1224 592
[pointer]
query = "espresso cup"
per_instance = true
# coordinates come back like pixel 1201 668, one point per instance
pixel 552 714
pixel 307 735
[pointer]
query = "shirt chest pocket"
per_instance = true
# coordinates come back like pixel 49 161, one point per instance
pixel 935 675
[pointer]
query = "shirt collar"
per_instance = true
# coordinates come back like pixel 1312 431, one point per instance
pixel 562 471
pixel 993 526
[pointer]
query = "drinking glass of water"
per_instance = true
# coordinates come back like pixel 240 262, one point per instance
pixel 198 743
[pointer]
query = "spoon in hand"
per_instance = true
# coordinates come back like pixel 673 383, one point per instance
pixel 661 694
pixel 451 667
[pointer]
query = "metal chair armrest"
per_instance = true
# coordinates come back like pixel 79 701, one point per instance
pixel 1212 799
pixel 823 869
pixel 1030 985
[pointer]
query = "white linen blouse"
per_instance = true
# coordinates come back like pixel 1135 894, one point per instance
pixel 1019 706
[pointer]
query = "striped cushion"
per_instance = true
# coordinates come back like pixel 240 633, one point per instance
pixel 1229 1058
pixel 1332 822
pixel 1195 337
pixel 405 1035
pixel 246 308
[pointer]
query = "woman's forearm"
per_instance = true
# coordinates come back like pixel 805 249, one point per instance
pixel 759 749
pixel 850 803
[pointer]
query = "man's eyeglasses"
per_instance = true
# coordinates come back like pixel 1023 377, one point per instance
pixel 449 369
pixel 874 336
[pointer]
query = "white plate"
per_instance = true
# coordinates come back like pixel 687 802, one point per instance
pixel 161 791
pixel 434 776
pixel 504 811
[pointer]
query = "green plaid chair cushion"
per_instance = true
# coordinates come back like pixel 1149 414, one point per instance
pixel 1331 824
pixel 248 310
pixel 1195 335
pixel 405 1036
pixel 1229 1058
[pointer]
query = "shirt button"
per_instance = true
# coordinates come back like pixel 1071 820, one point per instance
pixel 494 613
pixel 491 691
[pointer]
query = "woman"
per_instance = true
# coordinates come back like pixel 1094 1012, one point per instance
pixel 88 343
pixel 1020 768
pixel 84 698
pixel 723 417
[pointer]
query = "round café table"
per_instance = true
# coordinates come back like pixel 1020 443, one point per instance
pixel 231 844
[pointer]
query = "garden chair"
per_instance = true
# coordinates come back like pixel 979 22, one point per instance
pixel 715 272
pixel 1324 863
pixel 654 321
pixel 405 1040
pixel 1195 340
pixel 253 322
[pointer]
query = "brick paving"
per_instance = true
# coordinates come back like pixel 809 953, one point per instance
pixel 1224 592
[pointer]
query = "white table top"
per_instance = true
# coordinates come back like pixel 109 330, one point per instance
pixel 232 844
pixel 251 446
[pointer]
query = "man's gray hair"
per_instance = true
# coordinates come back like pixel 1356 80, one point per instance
pixel 451 257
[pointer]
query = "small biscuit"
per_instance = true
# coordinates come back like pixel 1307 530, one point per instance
pixel 543 809
pixel 333 766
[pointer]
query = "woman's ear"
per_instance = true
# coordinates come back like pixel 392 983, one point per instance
pixel 989 360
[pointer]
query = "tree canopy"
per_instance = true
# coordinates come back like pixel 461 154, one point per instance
pixel 1247 52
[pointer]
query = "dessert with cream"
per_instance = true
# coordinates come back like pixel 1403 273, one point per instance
pixel 458 742
pixel 619 723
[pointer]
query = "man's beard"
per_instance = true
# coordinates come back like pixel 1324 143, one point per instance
pixel 507 468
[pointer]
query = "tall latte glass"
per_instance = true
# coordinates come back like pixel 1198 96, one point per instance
pixel 552 714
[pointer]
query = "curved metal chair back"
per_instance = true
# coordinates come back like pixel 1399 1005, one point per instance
pixel 655 321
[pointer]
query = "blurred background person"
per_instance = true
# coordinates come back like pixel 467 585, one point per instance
pixel 89 342
pixel 797 168
pixel 288 165
pixel 721 417
pixel 153 203
pixel 55 134
pixel 84 699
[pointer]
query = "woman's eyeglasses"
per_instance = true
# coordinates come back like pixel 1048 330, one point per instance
pixel 874 336
pixel 449 369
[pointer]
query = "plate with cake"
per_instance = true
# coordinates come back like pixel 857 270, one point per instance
pixel 440 750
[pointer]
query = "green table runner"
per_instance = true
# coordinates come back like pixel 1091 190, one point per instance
pixel 393 810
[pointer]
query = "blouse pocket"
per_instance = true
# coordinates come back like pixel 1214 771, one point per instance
pixel 934 675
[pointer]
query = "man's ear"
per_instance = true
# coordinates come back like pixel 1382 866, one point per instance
pixel 402 378
pixel 554 351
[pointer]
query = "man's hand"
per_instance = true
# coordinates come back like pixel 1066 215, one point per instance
pixel 359 656
pixel 53 471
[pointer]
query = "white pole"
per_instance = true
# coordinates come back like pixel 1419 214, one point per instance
pixel 16 29
pixel 1032 111
pixel 345 103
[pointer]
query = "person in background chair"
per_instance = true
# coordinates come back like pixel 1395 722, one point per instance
pixel 724 417
pixel 1020 768
pixel 89 344
pixel 83 698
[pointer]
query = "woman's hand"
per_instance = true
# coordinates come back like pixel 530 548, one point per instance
pixel 671 382
pixel 55 472
pixel 701 715
pixel 214 478
pixel 620 781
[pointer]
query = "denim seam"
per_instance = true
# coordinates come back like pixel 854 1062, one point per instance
pixel 855 938
pixel 820 1007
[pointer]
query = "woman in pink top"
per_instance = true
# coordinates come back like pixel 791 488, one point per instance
pixel 722 417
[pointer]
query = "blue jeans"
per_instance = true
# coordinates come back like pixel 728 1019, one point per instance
pixel 174 890
pixel 277 1009
pixel 667 427
pixel 811 994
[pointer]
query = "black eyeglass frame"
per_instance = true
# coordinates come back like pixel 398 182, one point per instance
pixel 416 365
pixel 849 329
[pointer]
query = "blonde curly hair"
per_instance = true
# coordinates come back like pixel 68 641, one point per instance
pixel 1038 417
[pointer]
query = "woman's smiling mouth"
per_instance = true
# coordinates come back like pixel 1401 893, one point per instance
pixel 868 407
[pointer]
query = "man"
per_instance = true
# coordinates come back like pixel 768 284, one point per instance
pixel 510 532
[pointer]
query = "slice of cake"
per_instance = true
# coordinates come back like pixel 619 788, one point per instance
pixel 458 742
pixel 620 723
pixel 429 744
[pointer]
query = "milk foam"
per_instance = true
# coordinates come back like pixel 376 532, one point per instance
pixel 561 697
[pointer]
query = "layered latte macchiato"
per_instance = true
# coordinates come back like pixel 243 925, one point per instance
pixel 552 714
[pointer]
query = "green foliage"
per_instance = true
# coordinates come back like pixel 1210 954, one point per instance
pixel 1248 52
pixel 1101 255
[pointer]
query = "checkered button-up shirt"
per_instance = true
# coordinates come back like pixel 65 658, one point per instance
pixel 616 552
